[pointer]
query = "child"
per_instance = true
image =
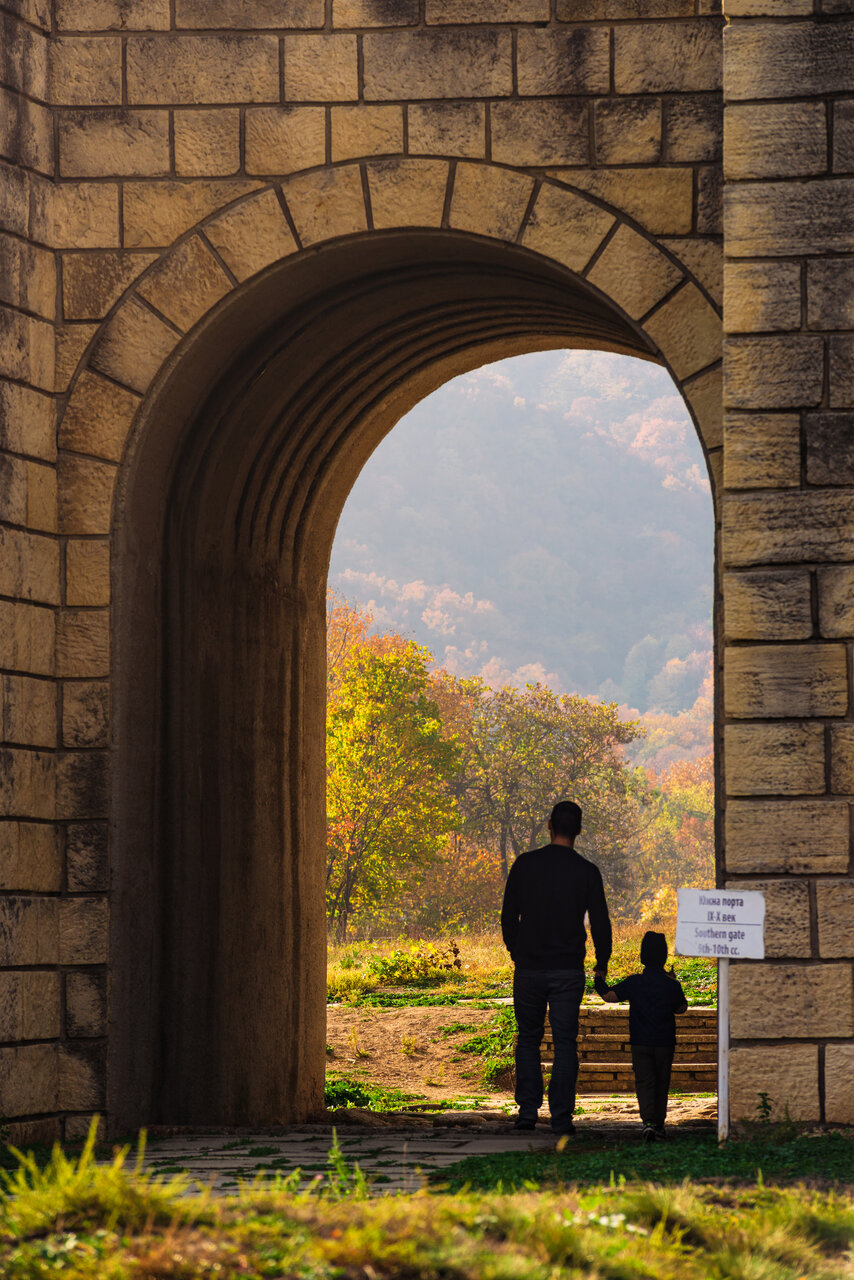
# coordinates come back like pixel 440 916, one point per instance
pixel 654 997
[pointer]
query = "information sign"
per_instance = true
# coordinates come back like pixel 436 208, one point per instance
pixel 725 924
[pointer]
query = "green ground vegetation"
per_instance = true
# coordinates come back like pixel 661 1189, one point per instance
pixel 83 1221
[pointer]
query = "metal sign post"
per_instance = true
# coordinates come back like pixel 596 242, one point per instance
pixel 724 924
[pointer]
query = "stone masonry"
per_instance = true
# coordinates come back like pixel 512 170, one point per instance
pixel 238 239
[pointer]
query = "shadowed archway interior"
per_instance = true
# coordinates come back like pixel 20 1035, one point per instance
pixel 225 516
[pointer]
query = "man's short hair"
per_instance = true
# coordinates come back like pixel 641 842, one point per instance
pixel 653 949
pixel 566 819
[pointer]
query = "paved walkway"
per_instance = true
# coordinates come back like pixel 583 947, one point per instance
pixel 395 1155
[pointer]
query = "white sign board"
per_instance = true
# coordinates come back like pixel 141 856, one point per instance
pixel 725 924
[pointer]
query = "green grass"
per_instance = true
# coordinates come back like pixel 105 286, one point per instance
pixel 346 1091
pixel 79 1221
pixel 826 1159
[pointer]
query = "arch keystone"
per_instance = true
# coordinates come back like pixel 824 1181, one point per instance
pixel 327 203
pixel 489 201
pixel 566 227
pixel 251 235
pixel 186 283
pixel 633 272
pixel 407 193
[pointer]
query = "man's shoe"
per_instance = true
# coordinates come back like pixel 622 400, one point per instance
pixel 648 1134
pixel 660 1134
pixel 521 1123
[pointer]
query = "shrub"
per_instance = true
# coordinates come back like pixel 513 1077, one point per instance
pixel 421 964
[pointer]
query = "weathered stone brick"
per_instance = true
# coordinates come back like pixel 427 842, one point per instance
pixel 27 276
pixel 843 137
pixel 763 605
pixel 198 69
pixel 284 139
pixel 407 192
pixel 92 282
pixel 451 11
pixel 86 71
pixel 627 130
pixel 113 15
pixel 27 786
pixel 85 216
pixel 27 711
pixel 87 572
pixel 787 916
pixel 207 143
pixel 777 1001
pixel 29 930
pixel 830 293
pixel 774 759
pixel 375 13
pixel 687 329
pixel 839 1084
pixel 82 1077
pixel 660 199
pixel 26 131
pixel 830 448
pixel 562 225
pixel 542 132
pixel 85 713
pixel 704 400
pixel 448 129
pixel 96 144
pixel 693 128
pixel 762 451
pixel 26 348
pixel 366 131
pixel 762 296
pixel 491 202
pixel 836 601
pixel 83 643
pixel 156 213
pixel 594 10
pixel 773 373
pixel 835 914
pixel 252 235
pixel 83 925
pixel 71 343
pixel 26 638
pixel 841 370
pixel 565 62
pixel 29 1005
pixel 38 12
pixel 82 790
pixel 789 60
pixel 842 759
pixel 98 417
pixel 430 64
pixel 29 566
pixel 327 204
pixel 710 200
pixel 784 219
pixel 770 8
pixel 321 68
pixel 132 348
pixel 30 857
pixel 775 140
pixel 186 284
pixel 795 525
pixel 85 494
pixel 28 493
pixel 633 273
pixel 786 680
pixel 788 1074
pixel 87 857
pixel 660 58
pixel 29 1079
pixel 27 421
pixel 86 1004
pixel 255 14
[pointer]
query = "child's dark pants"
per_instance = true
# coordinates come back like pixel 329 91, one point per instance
pixel 651 1065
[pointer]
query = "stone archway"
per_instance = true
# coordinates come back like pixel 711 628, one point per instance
pixel 249 435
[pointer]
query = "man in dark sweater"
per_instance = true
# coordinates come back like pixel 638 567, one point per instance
pixel 547 895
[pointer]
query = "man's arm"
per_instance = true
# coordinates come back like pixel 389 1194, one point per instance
pixel 600 922
pixel 603 990
pixel 510 912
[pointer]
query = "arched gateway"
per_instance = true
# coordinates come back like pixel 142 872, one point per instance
pixel 267 232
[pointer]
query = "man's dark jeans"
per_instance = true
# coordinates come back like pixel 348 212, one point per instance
pixel 651 1065
pixel 533 991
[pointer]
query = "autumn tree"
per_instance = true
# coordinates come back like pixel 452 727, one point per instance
pixel 389 807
